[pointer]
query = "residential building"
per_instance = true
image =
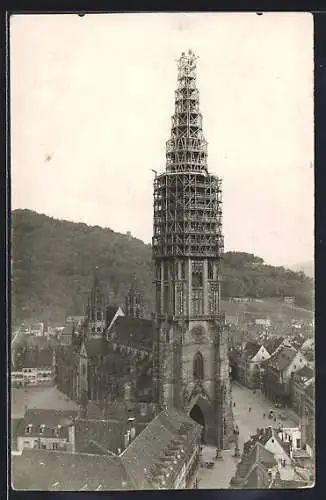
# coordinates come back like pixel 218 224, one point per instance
pixel 164 454
pixel 247 364
pixel 300 381
pixel 255 469
pixel 268 461
pixel 63 471
pixel 36 367
pixel 46 429
pixel 278 372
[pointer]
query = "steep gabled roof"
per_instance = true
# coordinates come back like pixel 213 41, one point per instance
pixel 257 458
pixel 111 311
pixel 283 358
pixel 155 449
pixel 263 456
pixel 257 477
pixel 262 436
pixel 109 434
pixel 59 471
pixel 95 347
pixel 273 344
pixel 134 332
pixel 251 349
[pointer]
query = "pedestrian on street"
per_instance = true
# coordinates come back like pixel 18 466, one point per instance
pixel 264 415
pixel 233 405
pixel 249 409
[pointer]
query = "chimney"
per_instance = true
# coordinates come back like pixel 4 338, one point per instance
pixel 131 428
pixel 126 438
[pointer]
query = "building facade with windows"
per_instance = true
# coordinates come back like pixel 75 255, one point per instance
pixel 279 371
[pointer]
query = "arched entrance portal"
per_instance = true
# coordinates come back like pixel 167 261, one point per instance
pixel 197 415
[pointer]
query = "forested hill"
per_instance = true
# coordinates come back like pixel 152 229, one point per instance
pixel 54 261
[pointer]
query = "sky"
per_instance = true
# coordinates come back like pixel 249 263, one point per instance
pixel 96 95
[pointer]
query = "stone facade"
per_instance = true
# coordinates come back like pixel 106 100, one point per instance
pixel 192 352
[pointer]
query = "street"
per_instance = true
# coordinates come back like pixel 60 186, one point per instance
pixel 219 477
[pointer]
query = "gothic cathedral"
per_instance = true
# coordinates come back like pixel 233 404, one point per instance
pixel 192 366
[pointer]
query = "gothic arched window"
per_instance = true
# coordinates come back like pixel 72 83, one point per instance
pixel 198 367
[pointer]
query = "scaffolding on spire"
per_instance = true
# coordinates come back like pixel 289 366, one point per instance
pixel 187 199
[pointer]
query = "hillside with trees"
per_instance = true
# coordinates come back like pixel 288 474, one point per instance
pixel 53 263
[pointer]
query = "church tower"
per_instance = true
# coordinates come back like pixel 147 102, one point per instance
pixel 192 354
pixel 134 301
pixel 95 317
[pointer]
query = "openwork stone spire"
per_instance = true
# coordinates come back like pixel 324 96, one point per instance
pixel 186 150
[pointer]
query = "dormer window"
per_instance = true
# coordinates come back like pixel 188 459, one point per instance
pixel 42 429
pixel 28 429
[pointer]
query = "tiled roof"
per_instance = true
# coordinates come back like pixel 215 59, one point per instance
pixel 134 332
pixel 273 344
pixel 40 342
pixel 107 433
pixel 262 437
pixel 50 419
pixel 251 349
pixel 122 410
pixel 305 373
pixel 258 455
pixel 96 347
pixel 110 313
pixel 45 398
pixel 38 357
pixel 58 471
pixel 282 359
pixel 159 448
pixel 257 477
pixel 94 411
